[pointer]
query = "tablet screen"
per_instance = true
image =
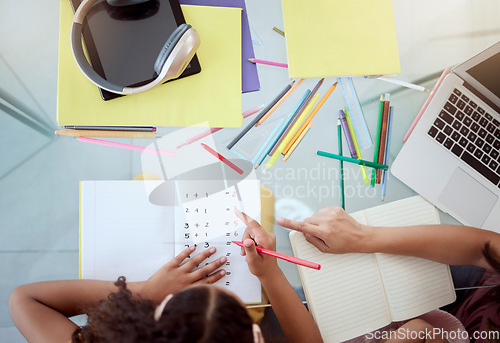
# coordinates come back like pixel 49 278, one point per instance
pixel 123 42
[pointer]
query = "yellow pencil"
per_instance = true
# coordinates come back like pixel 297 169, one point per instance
pixel 290 133
pixel 308 120
pixel 297 142
pixel 106 133
pixel 276 105
pixel 356 146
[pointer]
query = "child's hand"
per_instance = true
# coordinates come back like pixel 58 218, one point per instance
pixel 260 265
pixel 174 277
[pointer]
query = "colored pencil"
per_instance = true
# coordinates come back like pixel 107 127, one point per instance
pixel 353 160
pixel 106 133
pixel 297 114
pixel 309 118
pixel 290 133
pixel 281 32
pixel 284 257
pixel 403 83
pixel 297 142
pixel 383 136
pixel 366 180
pixel 111 128
pixel 268 140
pixel 341 165
pixel 355 127
pixel 260 115
pixel 125 146
pixel 271 63
pixel 283 128
pixel 222 159
pixel 386 159
pixel 347 134
pixel 377 141
pixel 212 130
pixel 290 91
pixel 424 107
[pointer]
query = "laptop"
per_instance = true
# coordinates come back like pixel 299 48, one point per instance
pixel 452 157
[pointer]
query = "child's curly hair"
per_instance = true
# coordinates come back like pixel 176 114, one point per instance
pixel 197 314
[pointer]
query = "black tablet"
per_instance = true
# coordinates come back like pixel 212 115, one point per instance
pixel 123 43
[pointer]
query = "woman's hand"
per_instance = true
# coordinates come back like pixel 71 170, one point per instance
pixel 260 265
pixel 175 276
pixel 332 230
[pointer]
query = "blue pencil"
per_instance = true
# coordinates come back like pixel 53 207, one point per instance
pixel 283 128
pixel 355 127
pixel 273 133
pixel 387 148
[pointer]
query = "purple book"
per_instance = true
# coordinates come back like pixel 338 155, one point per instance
pixel 249 76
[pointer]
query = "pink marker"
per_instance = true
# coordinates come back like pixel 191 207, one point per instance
pixel 424 107
pixel 208 132
pixel 292 259
pixel 124 146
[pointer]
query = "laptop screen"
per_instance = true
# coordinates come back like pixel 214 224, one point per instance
pixel 481 74
pixel 487 73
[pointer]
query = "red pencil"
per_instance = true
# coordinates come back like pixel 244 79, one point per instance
pixel 292 259
pixel 222 159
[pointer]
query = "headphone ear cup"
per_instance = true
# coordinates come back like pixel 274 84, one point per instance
pixel 169 46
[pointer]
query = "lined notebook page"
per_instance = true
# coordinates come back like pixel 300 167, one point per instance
pixel 346 296
pixel 413 285
pixel 123 235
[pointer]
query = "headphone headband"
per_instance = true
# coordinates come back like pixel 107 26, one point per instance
pixel 182 43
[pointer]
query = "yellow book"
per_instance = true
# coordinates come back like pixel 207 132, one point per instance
pixel 212 97
pixel 328 38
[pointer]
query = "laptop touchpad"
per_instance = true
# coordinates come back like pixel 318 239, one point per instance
pixel 467 198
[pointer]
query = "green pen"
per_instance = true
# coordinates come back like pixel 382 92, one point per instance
pixel 353 160
pixel 377 141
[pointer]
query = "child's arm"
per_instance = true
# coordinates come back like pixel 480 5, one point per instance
pixel 296 322
pixel 334 231
pixel 41 310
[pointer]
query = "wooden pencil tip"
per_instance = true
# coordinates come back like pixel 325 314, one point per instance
pixel 426 90
pixel 251 59
pixel 381 97
pixel 382 198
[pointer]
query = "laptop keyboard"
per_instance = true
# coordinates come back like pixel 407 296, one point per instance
pixel 469 132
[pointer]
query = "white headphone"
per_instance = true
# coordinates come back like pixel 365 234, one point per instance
pixel 172 60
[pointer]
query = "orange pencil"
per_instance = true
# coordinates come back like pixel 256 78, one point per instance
pixel 308 120
pixel 276 105
pixel 297 142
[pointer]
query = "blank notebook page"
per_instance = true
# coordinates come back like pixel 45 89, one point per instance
pixel 346 295
pixel 413 285
pixel 121 230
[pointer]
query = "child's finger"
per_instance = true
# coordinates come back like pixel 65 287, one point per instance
pixel 251 253
pixel 208 269
pixel 183 255
pixel 195 261
pixel 213 278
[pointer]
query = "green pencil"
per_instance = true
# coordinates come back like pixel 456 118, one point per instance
pixel 353 160
pixel 341 164
pixel 377 141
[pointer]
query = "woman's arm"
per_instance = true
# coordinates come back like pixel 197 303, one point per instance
pixel 41 310
pixel 296 322
pixel 334 231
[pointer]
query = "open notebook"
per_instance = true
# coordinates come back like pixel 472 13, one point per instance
pixel 354 294
pixel 123 233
